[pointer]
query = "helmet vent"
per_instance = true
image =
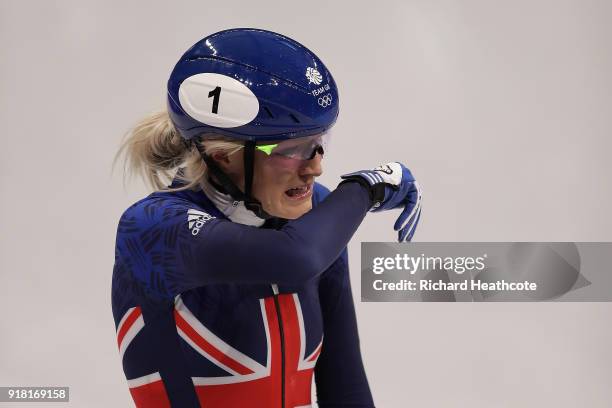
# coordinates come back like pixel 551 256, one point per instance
pixel 295 119
pixel 269 112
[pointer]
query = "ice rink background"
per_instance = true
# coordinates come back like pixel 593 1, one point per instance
pixel 503 110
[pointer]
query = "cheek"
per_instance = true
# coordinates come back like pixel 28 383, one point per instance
pixel 270 181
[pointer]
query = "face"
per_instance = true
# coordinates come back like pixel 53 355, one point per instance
pixel 284 186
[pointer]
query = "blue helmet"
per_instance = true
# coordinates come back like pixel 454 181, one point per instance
pixel 251 85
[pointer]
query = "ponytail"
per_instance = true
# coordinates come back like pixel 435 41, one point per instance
pixel 155 150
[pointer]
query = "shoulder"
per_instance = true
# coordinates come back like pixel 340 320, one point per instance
pixel 151 236
pixel 319 193
pixel 161 211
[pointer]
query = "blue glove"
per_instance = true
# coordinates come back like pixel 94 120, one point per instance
pixel 393 186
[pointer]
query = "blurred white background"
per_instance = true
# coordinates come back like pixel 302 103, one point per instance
pixel 503 110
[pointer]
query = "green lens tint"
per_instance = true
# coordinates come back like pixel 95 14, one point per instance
pixel 267 149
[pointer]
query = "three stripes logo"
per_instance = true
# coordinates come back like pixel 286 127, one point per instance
pixel 196 220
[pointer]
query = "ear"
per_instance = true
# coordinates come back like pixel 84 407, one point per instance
pixel 230 164
pixel 220 157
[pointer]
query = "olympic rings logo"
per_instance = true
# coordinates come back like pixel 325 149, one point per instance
pixel 325 100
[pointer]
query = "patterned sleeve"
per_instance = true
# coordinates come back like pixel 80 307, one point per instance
pixel 156 245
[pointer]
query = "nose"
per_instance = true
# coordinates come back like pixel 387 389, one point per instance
pixel 312 167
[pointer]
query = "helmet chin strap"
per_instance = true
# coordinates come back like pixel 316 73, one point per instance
pixel 228 185
pixel 250 202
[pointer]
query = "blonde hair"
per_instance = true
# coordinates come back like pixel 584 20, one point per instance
pixel 154 150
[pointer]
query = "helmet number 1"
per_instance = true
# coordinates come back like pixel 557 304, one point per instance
pixel 215 93
pixel 200 97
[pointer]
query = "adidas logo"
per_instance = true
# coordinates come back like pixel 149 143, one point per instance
pixel 196 220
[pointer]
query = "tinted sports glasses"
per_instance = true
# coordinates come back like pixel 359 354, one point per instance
pixel 304 148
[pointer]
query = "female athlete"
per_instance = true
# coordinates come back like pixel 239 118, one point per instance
pixel 231 285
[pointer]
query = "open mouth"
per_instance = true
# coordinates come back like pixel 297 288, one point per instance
pixel 299 193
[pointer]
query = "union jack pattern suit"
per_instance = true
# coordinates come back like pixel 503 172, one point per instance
pixel 235 329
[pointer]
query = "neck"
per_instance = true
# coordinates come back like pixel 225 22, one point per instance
pixel 234 210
